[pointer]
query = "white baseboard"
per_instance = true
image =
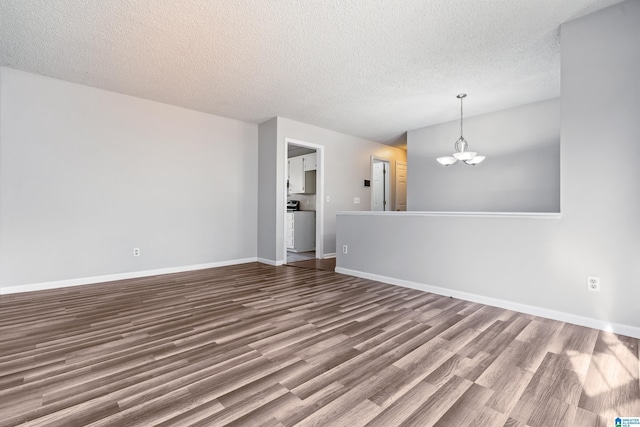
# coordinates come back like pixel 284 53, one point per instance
pixel 270 262
pixel 328 256
pixel 118 276
pixel 628 330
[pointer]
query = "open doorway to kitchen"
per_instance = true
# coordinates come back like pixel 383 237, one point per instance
pixel 304 213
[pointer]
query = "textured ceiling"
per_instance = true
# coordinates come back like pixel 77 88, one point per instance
pixel 369 68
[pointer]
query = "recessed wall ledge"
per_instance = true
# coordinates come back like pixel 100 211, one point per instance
pixel 547 215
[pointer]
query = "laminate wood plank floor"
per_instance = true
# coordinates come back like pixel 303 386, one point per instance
pixel 255 345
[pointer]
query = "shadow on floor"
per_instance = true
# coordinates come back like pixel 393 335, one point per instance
pixel 315 264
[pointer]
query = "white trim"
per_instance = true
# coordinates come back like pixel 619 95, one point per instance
pixel 549 215
pixel 270 262
pixel 118 276
pixel 618 328
pixel 328 256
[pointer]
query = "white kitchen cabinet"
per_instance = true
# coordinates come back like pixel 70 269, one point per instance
pixel 310 162
pixel 296 175
pixel 301 181
pixel 301 231
pixel 289 230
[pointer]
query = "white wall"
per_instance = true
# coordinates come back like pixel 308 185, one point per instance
pixel 544 262
pixel 520 174
pixel 86 175
pixel 347 164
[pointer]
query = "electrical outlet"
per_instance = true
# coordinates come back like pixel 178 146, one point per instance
pixel 593 283
pixel 356 200
pixel 136 251
pixel 345 249
pixel 328 199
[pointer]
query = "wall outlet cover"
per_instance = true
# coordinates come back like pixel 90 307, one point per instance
pixel 593 283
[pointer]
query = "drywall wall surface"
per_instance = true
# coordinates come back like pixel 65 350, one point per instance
pixel 267 177
pixel 495 257
pixel 521 172
pixel 87 175
pixel 347 163
pixel 540 261
pixel 600 153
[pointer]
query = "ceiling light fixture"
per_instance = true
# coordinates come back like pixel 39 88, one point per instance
pixel 468 157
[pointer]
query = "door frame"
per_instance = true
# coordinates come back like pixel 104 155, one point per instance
pixel 319 194
pixel 387 181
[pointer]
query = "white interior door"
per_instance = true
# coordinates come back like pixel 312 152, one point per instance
pixel 401 186
pixel 380 185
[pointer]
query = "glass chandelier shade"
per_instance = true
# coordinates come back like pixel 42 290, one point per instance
pixel 461 145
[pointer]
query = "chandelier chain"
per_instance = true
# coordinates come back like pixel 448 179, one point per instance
pixel 461 134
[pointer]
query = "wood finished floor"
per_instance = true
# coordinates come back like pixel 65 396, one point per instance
pixel 255 345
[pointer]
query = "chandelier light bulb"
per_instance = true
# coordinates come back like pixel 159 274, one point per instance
pixel 447 161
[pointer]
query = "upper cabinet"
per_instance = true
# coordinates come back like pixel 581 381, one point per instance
pixel 296 175
pixel 310 162
pixel 302 174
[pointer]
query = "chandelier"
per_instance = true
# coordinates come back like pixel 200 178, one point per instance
pixel 461 153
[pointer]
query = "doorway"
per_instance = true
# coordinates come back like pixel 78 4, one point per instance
pixel 304 211
pixel 380 184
